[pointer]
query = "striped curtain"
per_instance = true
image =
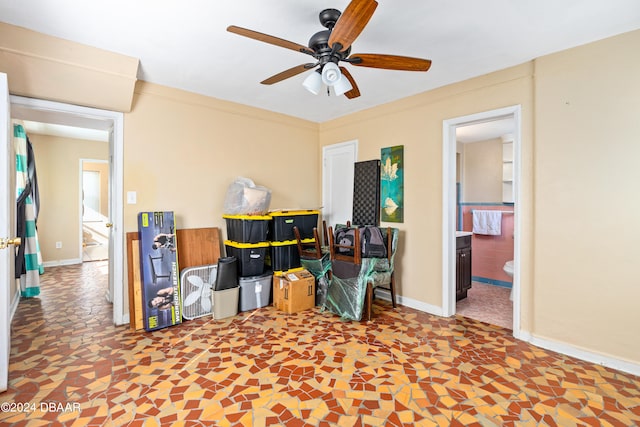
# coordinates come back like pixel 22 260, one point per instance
pixel 29 264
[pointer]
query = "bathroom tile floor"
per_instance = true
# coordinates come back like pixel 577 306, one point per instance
pixel 70 366
pixel 487 303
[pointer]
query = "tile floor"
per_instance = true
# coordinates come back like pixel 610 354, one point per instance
pixel 487 303
pixel 72 367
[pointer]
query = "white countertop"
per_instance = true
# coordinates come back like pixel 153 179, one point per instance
pixel 463 233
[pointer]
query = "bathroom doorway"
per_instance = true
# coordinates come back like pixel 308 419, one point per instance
pixel 484 191
pixel 452 216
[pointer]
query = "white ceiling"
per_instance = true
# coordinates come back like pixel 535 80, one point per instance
pixel 486 130
pixel 86 134
pixel 184 44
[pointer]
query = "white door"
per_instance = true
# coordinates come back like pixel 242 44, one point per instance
pixel 7 229
pixel 337 182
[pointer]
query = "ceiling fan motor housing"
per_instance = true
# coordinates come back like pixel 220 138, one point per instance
pixel 319 43
pixel 329 17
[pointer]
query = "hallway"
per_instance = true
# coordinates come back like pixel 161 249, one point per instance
pixel 260 368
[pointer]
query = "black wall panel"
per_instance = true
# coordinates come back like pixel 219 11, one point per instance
pixel 366 193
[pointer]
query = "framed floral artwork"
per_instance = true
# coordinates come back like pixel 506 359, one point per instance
pixel 392 184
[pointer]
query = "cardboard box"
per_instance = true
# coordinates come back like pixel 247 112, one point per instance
pixel 294 291
pixel 161 299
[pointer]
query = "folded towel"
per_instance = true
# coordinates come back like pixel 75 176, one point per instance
pixel 487 222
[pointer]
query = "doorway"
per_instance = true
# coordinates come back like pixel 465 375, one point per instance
pixel 337 181
pixel 56 113
pixel 94 206
pixel 450 216
pixel 484 189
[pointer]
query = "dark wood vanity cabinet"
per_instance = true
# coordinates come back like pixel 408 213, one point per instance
pixel 463 266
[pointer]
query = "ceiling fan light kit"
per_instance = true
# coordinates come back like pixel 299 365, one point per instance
pixel 330 74
pixel 313 83
pixel 341 86
pixel 333 45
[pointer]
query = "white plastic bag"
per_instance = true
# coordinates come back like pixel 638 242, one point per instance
pixel 244 197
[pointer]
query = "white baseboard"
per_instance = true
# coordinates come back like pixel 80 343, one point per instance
pixel 582 354
pixel 60 262
pixel 410 302
pixel 14 306
pixel 563 348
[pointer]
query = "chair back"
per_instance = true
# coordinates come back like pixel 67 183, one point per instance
pixel 343 251
pixel 311 250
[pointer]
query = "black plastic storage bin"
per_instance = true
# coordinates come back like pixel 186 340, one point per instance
pixel 282 223
pixel 284 256
pixel 247 228
pixel 251 256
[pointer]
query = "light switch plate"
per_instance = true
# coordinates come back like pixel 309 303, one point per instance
pixel 131 197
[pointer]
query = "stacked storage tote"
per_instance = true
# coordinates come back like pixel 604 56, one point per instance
pixel 284 254
pixel 247 241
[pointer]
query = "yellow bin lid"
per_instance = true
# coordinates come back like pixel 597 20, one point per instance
pixel 294 213
pixel 246 245
pixel 290 242
pixel 248 217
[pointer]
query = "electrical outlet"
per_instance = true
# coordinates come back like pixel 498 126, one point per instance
pixel 58 245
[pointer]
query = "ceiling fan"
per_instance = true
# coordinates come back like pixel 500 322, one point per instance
pixel 331 46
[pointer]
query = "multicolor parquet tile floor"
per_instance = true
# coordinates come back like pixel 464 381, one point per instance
pixel 70 366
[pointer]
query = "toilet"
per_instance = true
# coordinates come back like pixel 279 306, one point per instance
pixel 508 268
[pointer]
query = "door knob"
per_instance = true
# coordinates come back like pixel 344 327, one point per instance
pixel 4 243
pixel 109 225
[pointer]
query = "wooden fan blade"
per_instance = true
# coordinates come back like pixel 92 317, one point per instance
pixel 287 73
pixel 270 39
pixel 389 62
pixel 355 92
pixel 351 23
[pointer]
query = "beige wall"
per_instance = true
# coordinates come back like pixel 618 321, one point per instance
pixel 482 176
pixel 183 150
pixel 58 168
pixel 587 207
pixel 46 67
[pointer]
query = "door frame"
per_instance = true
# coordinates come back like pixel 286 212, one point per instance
pixel 7 230
pixel 92 118
pixel 449 205
pixel 329 178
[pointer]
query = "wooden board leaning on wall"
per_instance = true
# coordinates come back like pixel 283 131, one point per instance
pixel 196 247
